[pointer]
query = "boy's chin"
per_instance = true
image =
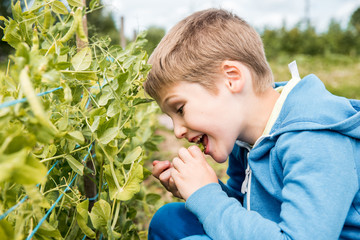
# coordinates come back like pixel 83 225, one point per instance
pixel 219 159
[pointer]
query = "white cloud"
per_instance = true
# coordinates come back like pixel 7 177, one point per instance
pixel 140 14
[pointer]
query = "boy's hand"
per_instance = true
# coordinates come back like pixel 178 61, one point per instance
pixel 161 170
pixel 191 171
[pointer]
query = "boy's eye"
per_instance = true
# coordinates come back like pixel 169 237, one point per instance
pixel 181 110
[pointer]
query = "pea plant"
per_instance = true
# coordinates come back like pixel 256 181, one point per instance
pixel 76 128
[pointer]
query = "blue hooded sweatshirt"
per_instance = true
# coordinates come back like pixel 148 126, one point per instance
pixel 305 175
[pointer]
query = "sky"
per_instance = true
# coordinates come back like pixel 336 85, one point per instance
pixel 140 14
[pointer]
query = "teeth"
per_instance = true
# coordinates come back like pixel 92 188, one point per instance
pixel 197 140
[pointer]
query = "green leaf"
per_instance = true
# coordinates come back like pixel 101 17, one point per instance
pixel 152 198
pixel 82 60
pixel 74 164
pixel 8 163
pixel 106 95
pixel 86 76
pixel 94 126
pixel 67 94
pixel 113 109
pixel 77 136
pixel 94 3
pixel 59 7
pixel 34 194
pixel 100 214
pixel 16 11
pixel 46 229
pixel 34 102
pixel 32 172
pixel 110 180
pixel 12 34
pixel 133 155
pixel 6 230
pixel 130 132
pixel 2 18
pixel 62 123
pixel 62 65
pixel 109 135
pixel 138 101
pixel 82 219
pixel 132 184
pixel 36 5
pixel 75 3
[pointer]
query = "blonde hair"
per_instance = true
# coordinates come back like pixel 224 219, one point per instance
pixel 194 49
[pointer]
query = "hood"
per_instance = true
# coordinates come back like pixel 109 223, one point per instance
pixel 309 106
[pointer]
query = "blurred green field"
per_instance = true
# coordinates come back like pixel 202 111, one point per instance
pixel 340 74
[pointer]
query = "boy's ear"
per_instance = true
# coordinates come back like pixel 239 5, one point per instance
pixel 234 75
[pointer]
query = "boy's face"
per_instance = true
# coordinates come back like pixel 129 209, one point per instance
pixel 202 116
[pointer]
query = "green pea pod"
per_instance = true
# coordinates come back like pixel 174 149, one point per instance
pixel 202 147
pixel 35 40
pixel 47 20
pixel 34 102
pixel 80 29
pixel 72 29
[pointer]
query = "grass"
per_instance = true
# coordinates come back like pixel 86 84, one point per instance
pixel 339 73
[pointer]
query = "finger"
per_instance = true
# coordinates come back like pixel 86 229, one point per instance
pixel 196 152
pixel 177 163
pixel 174 174
pixel 155 162
pixel 177 194
pixel 172 184
pixel 184 154
pixel 160 167
pixel 164 177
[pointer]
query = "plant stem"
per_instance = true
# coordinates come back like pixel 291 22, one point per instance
pixel 8 68
pixel 109 54
pixel 116 215
pixel 111 160
pixel 91 96
pixel 27 9
pixel 63 155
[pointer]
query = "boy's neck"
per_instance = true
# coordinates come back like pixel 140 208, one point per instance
pixel 261 109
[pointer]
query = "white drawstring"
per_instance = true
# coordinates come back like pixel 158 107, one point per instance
pixel 246 185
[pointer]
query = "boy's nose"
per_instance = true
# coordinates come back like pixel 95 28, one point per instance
pixel 179 130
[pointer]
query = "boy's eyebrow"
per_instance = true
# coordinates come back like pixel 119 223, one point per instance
pixel 167 99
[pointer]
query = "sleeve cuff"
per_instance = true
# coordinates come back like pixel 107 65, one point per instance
pixel 204 201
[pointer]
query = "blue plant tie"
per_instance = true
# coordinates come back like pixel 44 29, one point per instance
pixel 24 198
pixel 50 210
pixel 11 103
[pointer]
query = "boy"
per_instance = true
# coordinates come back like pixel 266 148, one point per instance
pixel 294 151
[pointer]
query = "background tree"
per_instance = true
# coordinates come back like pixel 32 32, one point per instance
pixel 5 11
pixel 355 20
pixel 101 24
pixel 154 35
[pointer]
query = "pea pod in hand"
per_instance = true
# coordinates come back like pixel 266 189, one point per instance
pixel 201 146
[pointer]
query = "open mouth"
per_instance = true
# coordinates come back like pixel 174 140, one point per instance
pixel 202 142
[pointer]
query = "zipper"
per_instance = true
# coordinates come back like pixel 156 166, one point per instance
pixel 246 185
